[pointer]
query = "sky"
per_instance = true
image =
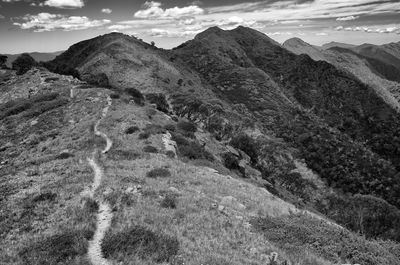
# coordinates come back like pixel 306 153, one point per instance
pixel 54 25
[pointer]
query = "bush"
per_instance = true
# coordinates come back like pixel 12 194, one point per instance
pixel 91 205
pixel 3 60
pixel 158 173
pixel 247 145
pixel 170 154
pixel 159 100
pixel 132 129
pixel 170 127
pixel 114 96
pixel 118 154
pixel 231 161
pixel 144 135
pixel 187 128
pixel 142 242
pixel 191 149
pixel 64 155
pixel 136 95
pixel 150 149
pixel 169 201
pixel 46 196
pixel 23 63
pixel 56 249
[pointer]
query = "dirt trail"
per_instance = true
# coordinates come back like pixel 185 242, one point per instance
pixel 104 214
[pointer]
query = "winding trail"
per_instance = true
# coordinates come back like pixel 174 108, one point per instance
pixel 104 214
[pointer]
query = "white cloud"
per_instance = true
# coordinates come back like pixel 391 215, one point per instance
pixel 64 3
pixel 321 34
pixel 153 10
pixel 50 22
pixel 347 18
pixel 106 10
pixel 119 27
pixel 373 29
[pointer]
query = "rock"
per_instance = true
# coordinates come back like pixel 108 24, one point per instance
pixel 34 122
pixel 232 150
pixel 221 208
pixel 231 202
pixel 174 190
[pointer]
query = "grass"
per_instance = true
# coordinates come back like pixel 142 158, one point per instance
pixel 142 242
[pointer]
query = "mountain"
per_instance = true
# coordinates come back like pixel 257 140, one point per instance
pixel 367 70
pixel 38 56
pixel 337 44
pixel 298 46
pixel 392 48
pixel 223 150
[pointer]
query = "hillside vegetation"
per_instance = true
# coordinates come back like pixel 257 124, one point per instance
pixel 224 150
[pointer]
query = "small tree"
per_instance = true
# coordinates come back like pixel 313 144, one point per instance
pixel 23 63
pixel 153 43
pixel 3 60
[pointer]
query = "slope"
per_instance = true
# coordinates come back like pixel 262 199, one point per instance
pixel 361 67
pixel 38 56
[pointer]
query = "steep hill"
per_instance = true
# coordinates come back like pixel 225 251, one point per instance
pixel 299 46
pixel 392 48
pixel 361 67
pixel 216 146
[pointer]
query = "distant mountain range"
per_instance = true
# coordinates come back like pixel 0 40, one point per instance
pixel 38 56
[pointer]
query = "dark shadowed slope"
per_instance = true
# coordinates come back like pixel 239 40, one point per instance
pixel 337 44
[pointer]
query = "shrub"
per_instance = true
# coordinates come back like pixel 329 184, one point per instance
pixel 64 155
pixel 56 249
pixel 247 145
pixel 170 154
pixel 191 149
pixel 46 196
pixel 144 135
pixel 91 205
pixel 142 242
pixel 3 60
pixel 231 161
pixel 159 100
pixel 114 95
pixel 154 129
pixel 50 79
pixel 23 63
pixel 136 95
pixel 150 149
pixel 187 128
pixel 170 127
pixel 158 173
pixel 132 129
pixel 169 201
pixel 117 154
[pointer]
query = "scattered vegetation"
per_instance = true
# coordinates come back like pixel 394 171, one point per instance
pixel 139 241
pixel 300 234
pixel 247 145
pixel 33 106
pixel 158 173
pixel 3 60
pixel 64 155
pixel 115 95
pixel 118 154
pixel 144 135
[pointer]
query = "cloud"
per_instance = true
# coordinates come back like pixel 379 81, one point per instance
pixel 2 17
pixel 153 10
pixel 68 4
pixel 106 11
pixel 119 27
pixel 372 29
pixel 347 18
pixel 50 22
pixel 321 34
